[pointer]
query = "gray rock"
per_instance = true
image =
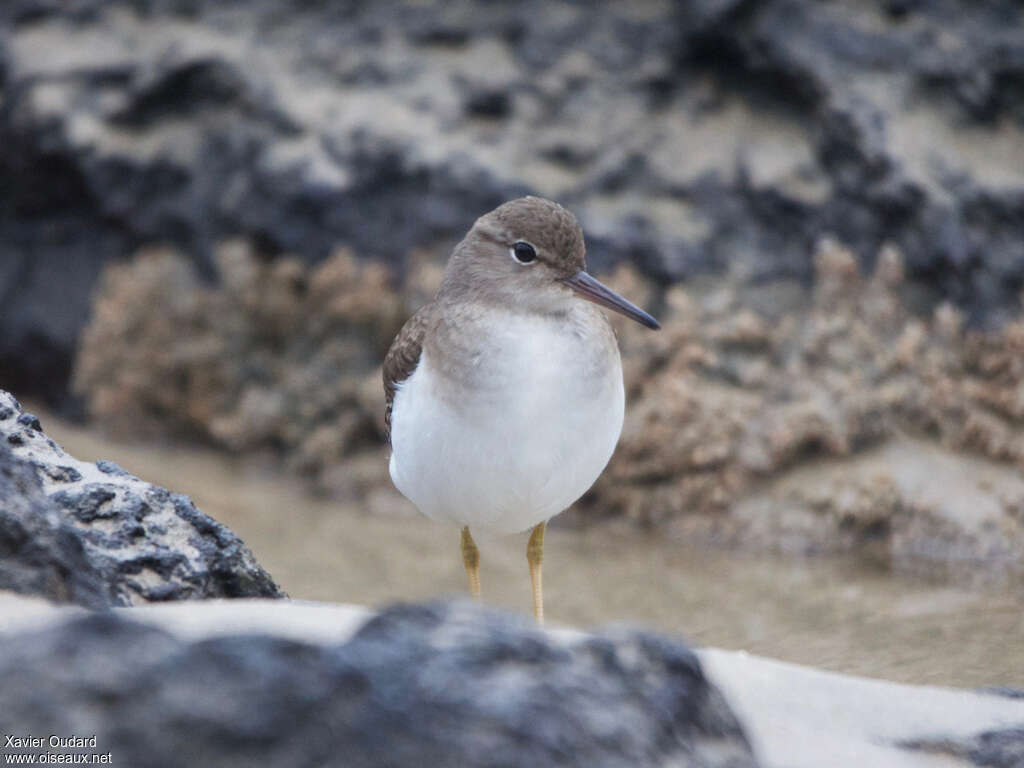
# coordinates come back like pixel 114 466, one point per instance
pixel 434 684
pixel 1003 748
pixel 40 552
pixel 690 137
pixel 94 535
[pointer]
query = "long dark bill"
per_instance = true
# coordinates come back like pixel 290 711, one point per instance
pixel 593 290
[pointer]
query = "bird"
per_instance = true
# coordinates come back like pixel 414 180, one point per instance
pixel 504 394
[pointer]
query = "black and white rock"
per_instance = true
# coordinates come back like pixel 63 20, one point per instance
pixel 95 535
pixel 233 682
pixel 689 136
pixel 41 553
pixel 434 684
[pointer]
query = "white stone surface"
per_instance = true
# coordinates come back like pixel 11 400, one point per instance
pixel 800 717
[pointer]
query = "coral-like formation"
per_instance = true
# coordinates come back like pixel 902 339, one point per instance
pixel 276 356
pixel 728 398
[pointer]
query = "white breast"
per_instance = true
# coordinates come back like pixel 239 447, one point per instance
pixel 521 445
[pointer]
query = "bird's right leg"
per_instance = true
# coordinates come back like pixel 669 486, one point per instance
pixel 471 559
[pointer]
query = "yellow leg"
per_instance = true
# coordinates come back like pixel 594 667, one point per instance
pixel 471 559
pixel 534 556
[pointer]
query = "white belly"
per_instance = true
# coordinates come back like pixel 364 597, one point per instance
pixel 510 455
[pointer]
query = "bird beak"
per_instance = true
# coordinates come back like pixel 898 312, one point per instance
pixel 593 290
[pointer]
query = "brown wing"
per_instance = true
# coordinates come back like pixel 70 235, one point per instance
pixel 402 358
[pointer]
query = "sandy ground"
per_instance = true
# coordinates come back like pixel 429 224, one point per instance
pixel 830 613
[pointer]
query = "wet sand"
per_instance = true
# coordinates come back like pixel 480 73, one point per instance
pixel 832 613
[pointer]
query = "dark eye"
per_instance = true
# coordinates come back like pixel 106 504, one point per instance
pixel 523 252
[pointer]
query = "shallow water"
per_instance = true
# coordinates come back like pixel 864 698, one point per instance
pixel 831 613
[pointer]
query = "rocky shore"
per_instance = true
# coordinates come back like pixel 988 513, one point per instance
pixel 455 684
pixel 220 682
pixel 219 214
pixel 216 215
pixel 178 678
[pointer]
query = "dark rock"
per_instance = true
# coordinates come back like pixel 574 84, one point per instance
pixel 61 474
pixel 434 684
pixel 998 749
pixel 489 103
pixel 700 136
pixel 86 503
pixel 1002 748
pixel 46 280
pixel 98 536
pixel 1010 693
pixel 110 468
pixel 31 421
pixel 41 553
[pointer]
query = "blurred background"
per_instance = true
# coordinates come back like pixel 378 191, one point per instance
pixel 214 216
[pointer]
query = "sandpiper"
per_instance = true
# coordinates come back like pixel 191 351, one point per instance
pixel 504 394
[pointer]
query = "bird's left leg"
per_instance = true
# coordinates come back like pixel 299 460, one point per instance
pixel 534 556
pixel 471 559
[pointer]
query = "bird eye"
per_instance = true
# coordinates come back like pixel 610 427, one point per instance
pixel 523 252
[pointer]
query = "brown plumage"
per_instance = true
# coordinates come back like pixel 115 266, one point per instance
pixel 402 358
